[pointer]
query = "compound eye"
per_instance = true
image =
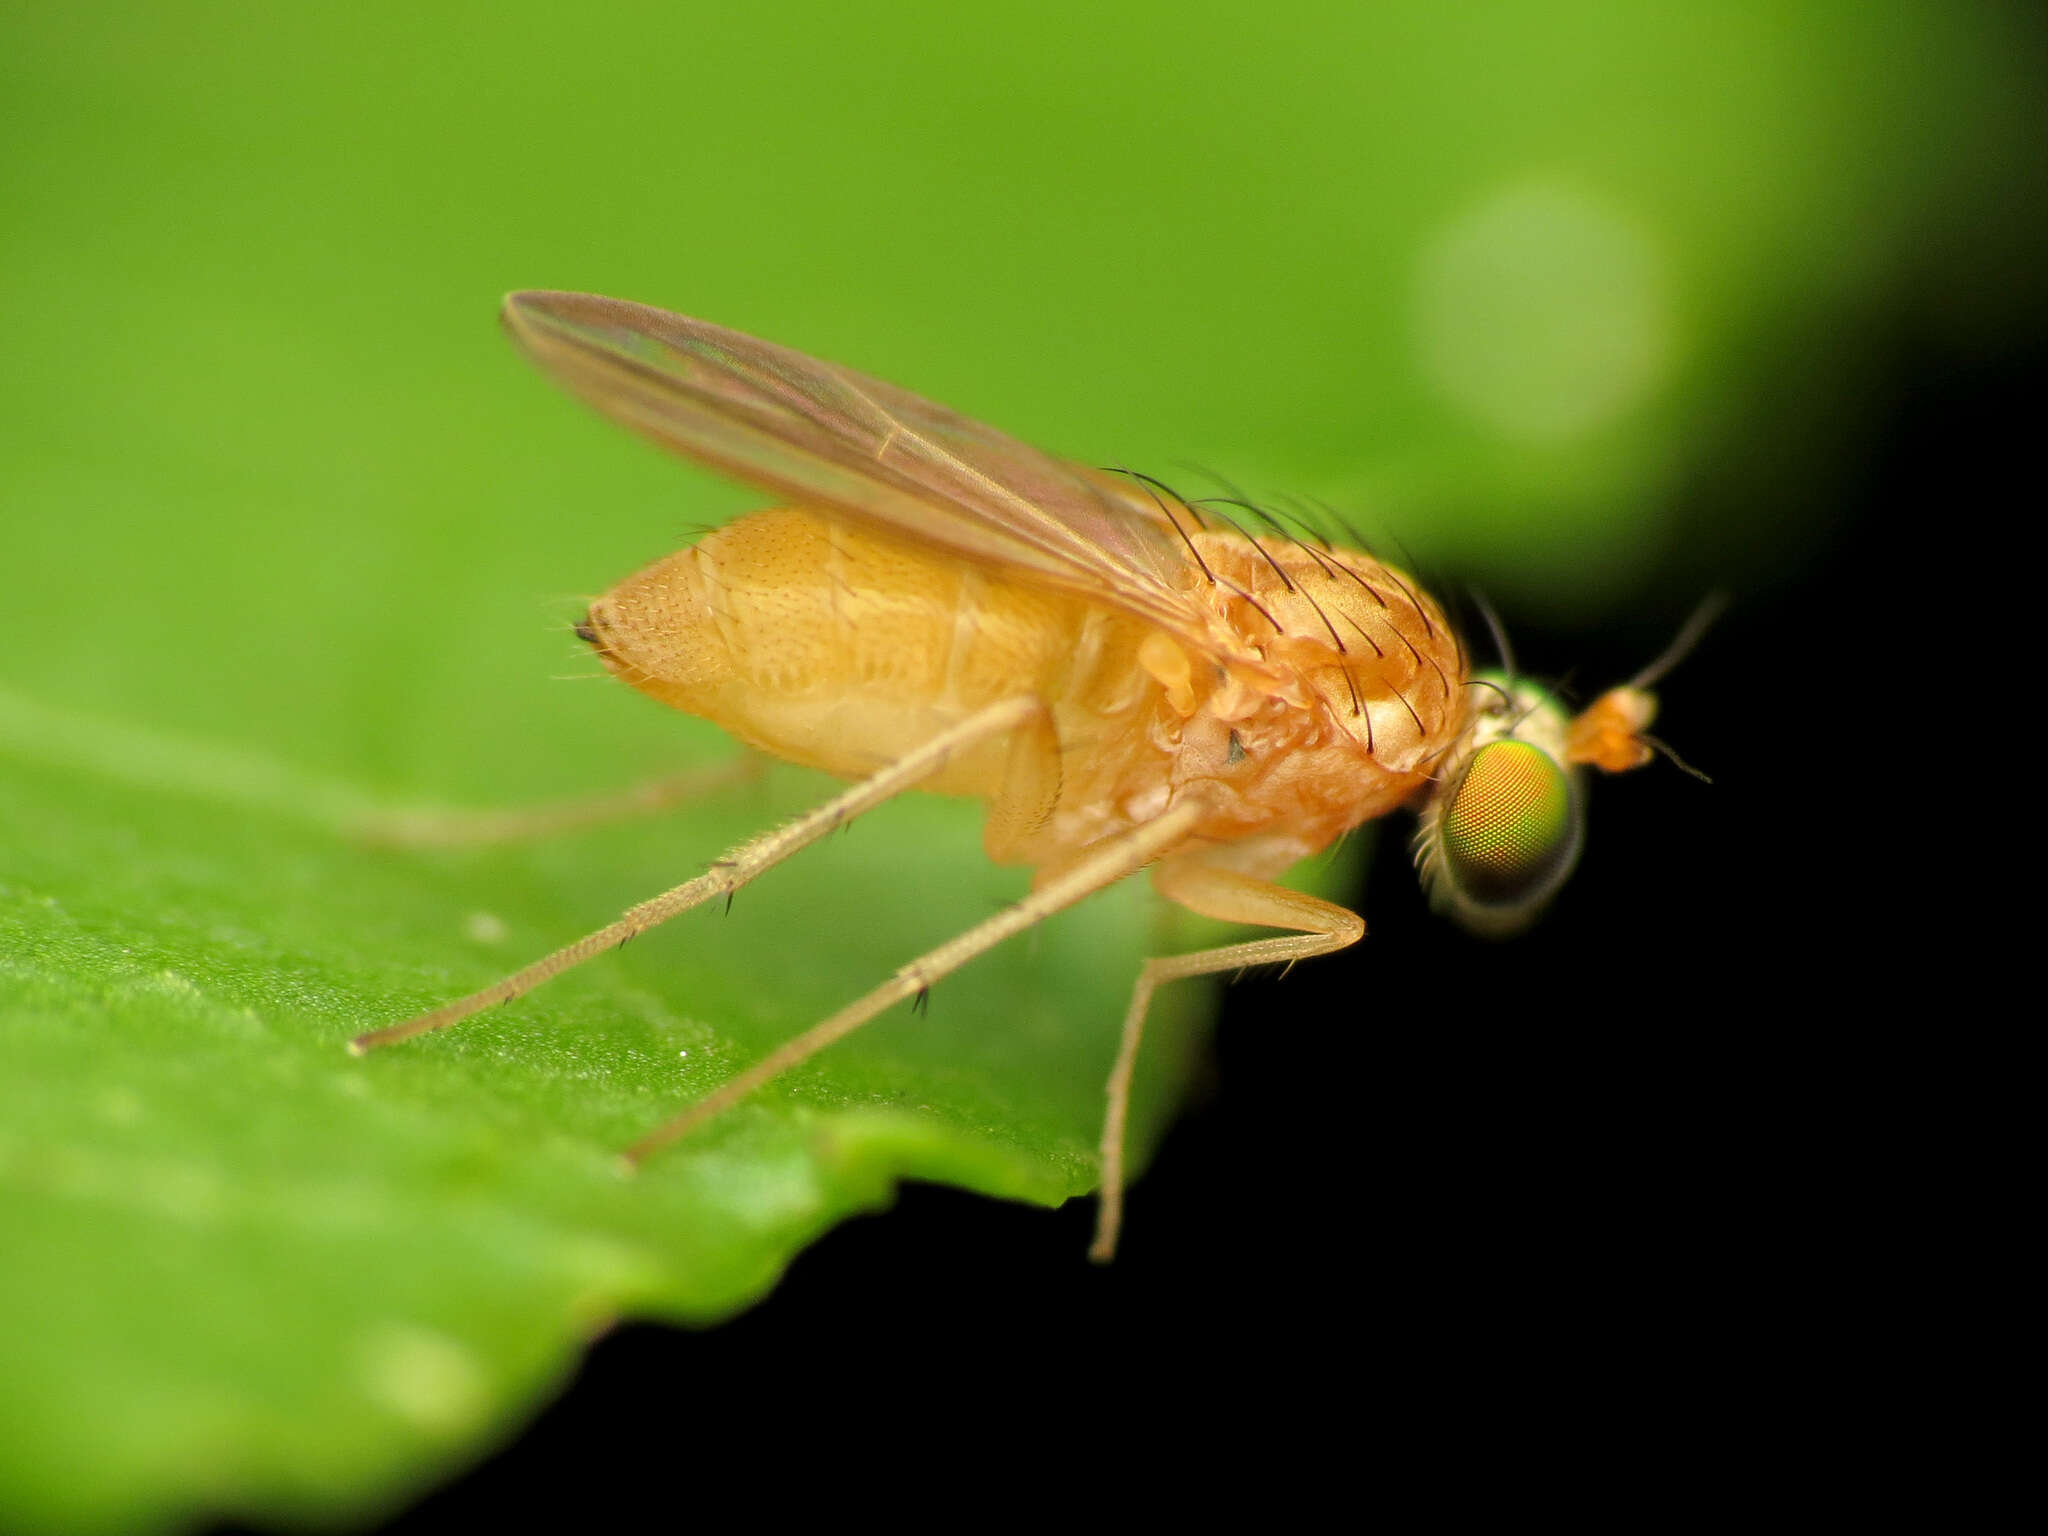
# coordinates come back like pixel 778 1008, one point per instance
pixel 1511 831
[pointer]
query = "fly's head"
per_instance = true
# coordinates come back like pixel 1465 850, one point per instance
pixel 1505 820
pixel 1503 825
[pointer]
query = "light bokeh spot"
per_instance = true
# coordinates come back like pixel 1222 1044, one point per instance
pixel 1543 312
pixel 427 1378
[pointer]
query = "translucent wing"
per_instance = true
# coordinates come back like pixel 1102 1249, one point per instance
pixel 836 440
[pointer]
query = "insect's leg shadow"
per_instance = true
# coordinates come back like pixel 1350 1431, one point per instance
pixel 427 828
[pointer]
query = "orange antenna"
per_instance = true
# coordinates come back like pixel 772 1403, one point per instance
pixel 1613 734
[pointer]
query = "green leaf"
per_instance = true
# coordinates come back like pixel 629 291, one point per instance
pixel 260 1266
pixel 287 534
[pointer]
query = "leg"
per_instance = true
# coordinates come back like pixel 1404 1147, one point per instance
pixel 729 873
pixel 463 829
pixel 1233 898
pixel 1128 854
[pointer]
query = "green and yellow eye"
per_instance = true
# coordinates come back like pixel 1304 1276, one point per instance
pixel 1506 837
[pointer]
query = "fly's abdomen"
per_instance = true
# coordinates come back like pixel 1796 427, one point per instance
pixel 830 646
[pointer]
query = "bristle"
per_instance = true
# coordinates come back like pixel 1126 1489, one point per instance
pixel 1301 521
pixel 1264 553
pixel 1377 649
pixel 1408 592
pixel 1358 540
pixel 1335 639
pixel 1263 611
pixel 1420 728
pixel 1280 528
pixel 1443 681
pixel 1351 684
pixel 1146 484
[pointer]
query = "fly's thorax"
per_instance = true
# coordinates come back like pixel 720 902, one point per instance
pixel 1348 687
pixel 1504 822
pixel 1340 631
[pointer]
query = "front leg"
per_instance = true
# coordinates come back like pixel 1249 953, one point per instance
pixel 1322 927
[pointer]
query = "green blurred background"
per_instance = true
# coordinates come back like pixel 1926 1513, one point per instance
pixel 1584 304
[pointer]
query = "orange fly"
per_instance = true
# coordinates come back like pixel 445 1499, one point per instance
pixel 1125 683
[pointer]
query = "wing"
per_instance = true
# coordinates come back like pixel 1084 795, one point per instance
pixel 836 440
